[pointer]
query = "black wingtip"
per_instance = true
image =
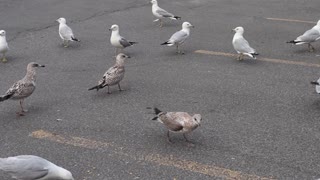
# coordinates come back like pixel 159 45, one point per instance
pixel 292 42
pixel 95 87
pixel 155 118
pixel 132 43
pixel 177 17
pixel 157 111
pixel 75 39
pixel 314 83
pixel 5 97
pixel 165 43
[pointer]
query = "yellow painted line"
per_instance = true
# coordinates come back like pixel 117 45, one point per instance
pixel 163 160
pixel 281 61
pixel 291 20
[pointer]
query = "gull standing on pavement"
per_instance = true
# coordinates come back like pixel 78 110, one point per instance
pixel 65 32
pixel 113 75
pixel 118 41
pixel 178 122
pixel 241 45
pixel 179 37
pixel 24 87
pixel 3 45
pixel 161 13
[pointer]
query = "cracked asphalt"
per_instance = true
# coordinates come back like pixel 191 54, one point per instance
pixel 260 119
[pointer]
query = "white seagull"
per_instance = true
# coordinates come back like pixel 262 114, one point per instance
pixel 65 32
pixel 179 37
pixel 161 13
pixel 24 87
pixel 113 75
pixel 3 45
pixel 118 41
pixel 178 122
pixel 308 37
pixel 30 167
pixel 241 45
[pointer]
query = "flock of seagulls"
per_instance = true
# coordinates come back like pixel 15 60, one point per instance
pixel 29 167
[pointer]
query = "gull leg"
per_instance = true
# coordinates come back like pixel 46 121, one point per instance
pixel 241 57
pixel 119 87
pixel 168 136
pixel 109 90
pixel 311 48
pixel 4 57
pixel 116 52
pixel 161 23
pixel 21 113
pixel 187 140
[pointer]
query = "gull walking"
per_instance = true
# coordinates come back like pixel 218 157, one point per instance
pixel 308 37
pixel 3 45
pixel 178 122
pixel 179 37
pixel 113 75
pixel 317 84
pixel 29 167
pixel 161 13
pixel 241 45
pixel 65 32
pixel 24 87
pixel 118 41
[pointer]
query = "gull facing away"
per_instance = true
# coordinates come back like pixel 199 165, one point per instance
pixel 29 167
pixel 308 37
pixel 241 45
pixel 3 45
pixel 118 41
pixel 24 87
pixel 113 75
pixel 178 122
pixel 161 13
pixel 317 84
pixel 65 32
pixel 179 37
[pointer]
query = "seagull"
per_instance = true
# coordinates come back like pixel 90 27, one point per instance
pixel 179 37
pixel 113 75
pixel 308 37
pixel 161 13
pixel 241 45
pixel 24 87
pixel 118 41
pixel 3 45
pixel 317 84
pixel 30 167
pixel 178 122
pixel 65 32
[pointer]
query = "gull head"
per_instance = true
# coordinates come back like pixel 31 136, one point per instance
pixel 154 2
pixel 34 65
pixel 2 33
pixel 121 57
pixel 65 174
pixel 197 118
pixel 114 28
pixel 61 20
pixel 238 30
pixel 187 25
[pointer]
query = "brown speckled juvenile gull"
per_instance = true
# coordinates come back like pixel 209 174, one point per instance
pixel 24 87
pixel 29 167
pixel 114 75
pixel 178 122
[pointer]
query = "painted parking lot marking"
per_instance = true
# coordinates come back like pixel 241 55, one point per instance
pixel 281 61
pixel 291 20
pixel 163 160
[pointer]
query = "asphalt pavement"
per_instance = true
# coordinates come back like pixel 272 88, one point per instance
pixel 260 117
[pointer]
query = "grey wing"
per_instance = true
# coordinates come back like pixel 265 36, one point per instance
pixel 66 32
pixel 242 45
pixel 25 168
pixel 164 13
pixel 178 37
pixel 114 75
pixel 13 89
pixel 171 122
pixel 309 36
pixel 124 42
pixel 23 90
